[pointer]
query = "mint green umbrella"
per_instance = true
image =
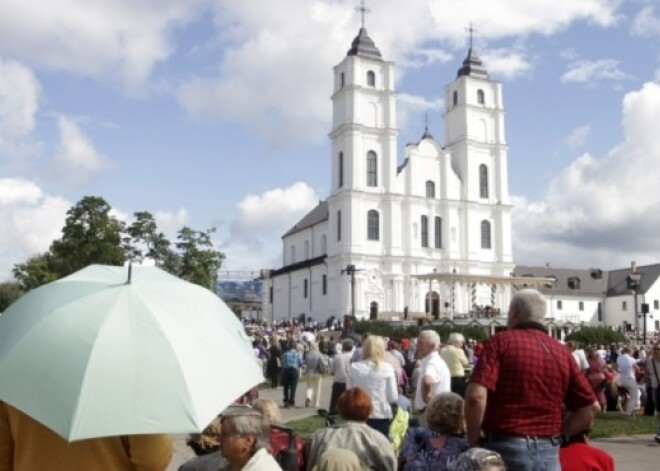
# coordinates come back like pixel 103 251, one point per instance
pixel 95 354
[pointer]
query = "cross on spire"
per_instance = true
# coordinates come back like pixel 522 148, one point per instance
pixel 363 10
pixel 471 31
pixel 426 121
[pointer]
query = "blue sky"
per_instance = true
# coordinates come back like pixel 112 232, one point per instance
pixel 216 113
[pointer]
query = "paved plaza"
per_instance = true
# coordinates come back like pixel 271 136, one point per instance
pixel 637 452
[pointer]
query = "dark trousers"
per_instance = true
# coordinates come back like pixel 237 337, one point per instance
pixel 289 385
pixel 382 425
pixel 458 385
pixel 337 389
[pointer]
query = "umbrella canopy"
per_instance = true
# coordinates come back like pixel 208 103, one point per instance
pixel 93 355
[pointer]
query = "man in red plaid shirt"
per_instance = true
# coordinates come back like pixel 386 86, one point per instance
pixel 513 404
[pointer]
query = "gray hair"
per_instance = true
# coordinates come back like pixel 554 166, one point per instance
pixel 456 339
pixel 432 336
pixel 530 305
pixel 248 421
pixel 444 413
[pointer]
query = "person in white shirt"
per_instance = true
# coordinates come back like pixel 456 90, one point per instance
pixel 376 376
pixel 627 366
pixel 434 376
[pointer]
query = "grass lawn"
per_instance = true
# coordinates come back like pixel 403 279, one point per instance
pixel 609 424
pixel 614 424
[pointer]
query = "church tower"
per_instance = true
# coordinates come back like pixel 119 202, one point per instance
pixel 475 139
pixel 363 162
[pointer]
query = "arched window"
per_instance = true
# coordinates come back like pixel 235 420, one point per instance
pixel 480 97
pixel 371 78
pixel 340 179
pixel 373 225
pixel 324 244
pixel 438 232
pixel 342 80
pixel 425 231
pixel 293 254
pixel 455 99
pixel 430 189
pixel 485 235
pixel 483 181
pixel 372 168
pixel 306 250
pixel 338 225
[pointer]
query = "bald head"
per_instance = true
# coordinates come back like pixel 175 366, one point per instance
pixel 527 305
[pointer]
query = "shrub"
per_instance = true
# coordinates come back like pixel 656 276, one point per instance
pixel 597 336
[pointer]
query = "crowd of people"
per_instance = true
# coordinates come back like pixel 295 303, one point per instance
pixel 519 401
pixel 526 397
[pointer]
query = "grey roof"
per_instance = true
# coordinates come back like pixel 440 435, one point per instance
pixel 618 284
pixel 312 218
pixel 575 282
pixel 364 46
pixel 472 65
pixel 298 266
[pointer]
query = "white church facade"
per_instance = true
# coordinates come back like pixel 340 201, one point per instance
pixel 429 233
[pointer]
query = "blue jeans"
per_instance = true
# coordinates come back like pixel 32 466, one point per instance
pixel 289 385
pixel 526 453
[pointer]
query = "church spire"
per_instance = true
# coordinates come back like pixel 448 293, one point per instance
pixel 472 65
pixel 363 45
pixel 427 134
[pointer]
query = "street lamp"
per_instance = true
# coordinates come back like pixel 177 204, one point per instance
pixel 634 282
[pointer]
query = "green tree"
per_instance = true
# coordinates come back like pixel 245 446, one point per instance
pixel 36 271
pixel 146 241
pixel 90 235
pixel 9 292
pixel 196 261
pixel 597 336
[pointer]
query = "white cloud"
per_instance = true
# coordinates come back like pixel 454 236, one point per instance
pixel 578 137
pixel 76 161
pixel 251 243
pixel 506 63
pixel 170 222
pixel 19 102
pixel 600 210
pixel 102 38
pixel 646 23
pixel 590 72
pixel 278 53
pixel 411 107
pixel 31 220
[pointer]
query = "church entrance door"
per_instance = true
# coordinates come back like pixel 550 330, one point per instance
pixel 373 311
pixel 432 305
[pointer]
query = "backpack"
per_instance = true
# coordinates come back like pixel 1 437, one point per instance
pixel 286 454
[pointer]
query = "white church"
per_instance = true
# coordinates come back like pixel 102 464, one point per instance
pixel 425 235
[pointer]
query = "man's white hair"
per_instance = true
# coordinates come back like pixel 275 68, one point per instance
pixel 530 305
pixel 456 338
pixel 431 336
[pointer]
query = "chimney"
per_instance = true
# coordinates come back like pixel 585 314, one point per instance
pixel 633 267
